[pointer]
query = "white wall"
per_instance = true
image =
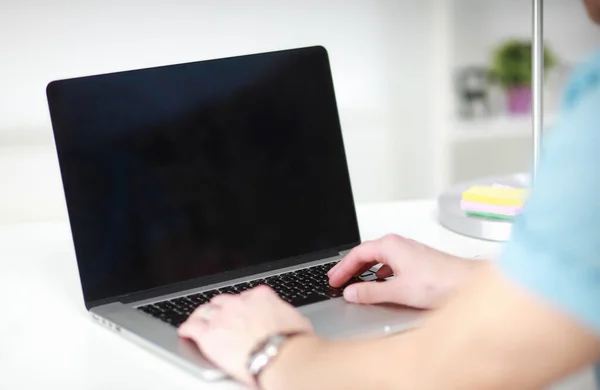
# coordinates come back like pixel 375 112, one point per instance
pixel 378 49
pixel 390 58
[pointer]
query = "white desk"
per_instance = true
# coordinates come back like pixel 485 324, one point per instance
pixel 47 341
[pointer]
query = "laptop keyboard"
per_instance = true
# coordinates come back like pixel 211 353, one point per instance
pixel 299 288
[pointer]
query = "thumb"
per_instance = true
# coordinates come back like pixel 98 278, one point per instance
pixel 368 292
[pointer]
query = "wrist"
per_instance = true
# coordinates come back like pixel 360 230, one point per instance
pixel 453 273
pixel 471 266
pixel 294 353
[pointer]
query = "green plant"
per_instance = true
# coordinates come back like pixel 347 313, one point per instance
pixel 512 60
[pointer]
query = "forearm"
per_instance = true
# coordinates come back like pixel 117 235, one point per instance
pixel 489 336
pixel 455 277
pixel 313 363
pixel 422 359
pixel 310 362
pixel 495 335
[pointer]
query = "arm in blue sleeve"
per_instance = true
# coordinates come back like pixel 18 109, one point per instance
pixel 554 250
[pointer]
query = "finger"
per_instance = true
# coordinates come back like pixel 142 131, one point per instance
pixel 334 269
pixel 356 250
pixel 193 329
pixel 204 312
pixel 368 253
pixel 384 272
pixel 363 269
pixel 223 299
pixel 262 290
pixel 369 292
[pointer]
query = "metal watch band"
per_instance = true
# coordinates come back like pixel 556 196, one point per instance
pixel 265 352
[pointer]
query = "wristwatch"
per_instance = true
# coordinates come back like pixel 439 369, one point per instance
pixel 265 352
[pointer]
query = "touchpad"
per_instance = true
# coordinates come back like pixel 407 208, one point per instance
pixel 340 319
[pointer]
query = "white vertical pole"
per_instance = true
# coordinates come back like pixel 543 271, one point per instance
pixel 537 82
pixel 441 94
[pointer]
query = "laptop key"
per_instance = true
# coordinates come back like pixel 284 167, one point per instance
pixel 227 290
pixel 335 292
pixel 165 305
pixel 176 320
pixel 180 301
pixel 179 307
pixel 242 287
pixel 211 293
pixel 150 309
pixel 190 305
pixel 309 299
pixel 284 287
pixel 168 315
pixel 198 299
pixel 299 288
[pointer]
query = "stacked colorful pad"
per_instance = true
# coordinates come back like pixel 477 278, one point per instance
pixel 493 202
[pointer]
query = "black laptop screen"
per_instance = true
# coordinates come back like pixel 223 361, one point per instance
pixel 180 172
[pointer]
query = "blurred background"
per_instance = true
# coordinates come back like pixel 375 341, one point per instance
pixel 430 92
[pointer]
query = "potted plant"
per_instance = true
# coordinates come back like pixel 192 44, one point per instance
pixel 511 68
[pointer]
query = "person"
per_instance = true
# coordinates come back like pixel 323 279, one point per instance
pixel 522 321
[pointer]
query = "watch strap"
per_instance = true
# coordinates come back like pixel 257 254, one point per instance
pixel 265 352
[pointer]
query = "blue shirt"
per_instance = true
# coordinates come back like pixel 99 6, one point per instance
pixel 554 250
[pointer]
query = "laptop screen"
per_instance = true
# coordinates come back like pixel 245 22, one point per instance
pixel 180 172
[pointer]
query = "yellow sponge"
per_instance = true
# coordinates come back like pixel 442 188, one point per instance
pixel 500 196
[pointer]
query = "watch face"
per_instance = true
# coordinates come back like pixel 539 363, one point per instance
pixel 262 354
pixel 259 347
pixel 257 362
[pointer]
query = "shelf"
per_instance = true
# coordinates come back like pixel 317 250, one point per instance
pixel 494 128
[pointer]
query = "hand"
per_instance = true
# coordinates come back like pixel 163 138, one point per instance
pixel 237 324
pixel 424 277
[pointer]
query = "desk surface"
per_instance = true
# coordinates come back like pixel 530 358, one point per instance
pixel 48 341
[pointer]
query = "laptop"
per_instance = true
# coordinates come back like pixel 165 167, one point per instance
pixel 187 181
